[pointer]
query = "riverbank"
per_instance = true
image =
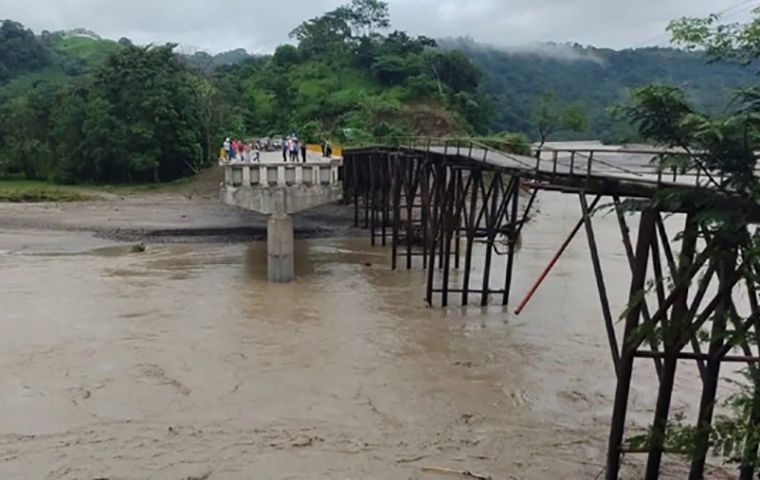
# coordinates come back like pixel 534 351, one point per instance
pixel 168 218
pixel 41 191
pixel 21 191
pixel 180 212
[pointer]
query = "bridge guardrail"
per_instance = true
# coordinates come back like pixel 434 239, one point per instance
pixel 651 165
pixel 281 174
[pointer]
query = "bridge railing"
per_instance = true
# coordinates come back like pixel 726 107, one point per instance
pixel 653 165
pixel 650 164
pixel 477 149
pixel 281 174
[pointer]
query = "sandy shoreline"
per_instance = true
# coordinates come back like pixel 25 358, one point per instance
pixel 169 218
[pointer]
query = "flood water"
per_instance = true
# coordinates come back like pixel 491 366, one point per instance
pixel 182 362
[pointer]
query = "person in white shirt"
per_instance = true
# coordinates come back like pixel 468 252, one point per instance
pixel 226 146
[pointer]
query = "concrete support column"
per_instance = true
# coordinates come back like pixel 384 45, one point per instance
pixel 281 176
pixel 228 175
pixel 246 176
pixel 280 249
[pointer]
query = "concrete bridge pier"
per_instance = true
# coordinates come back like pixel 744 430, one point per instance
pixel 280 251
pixel 279 190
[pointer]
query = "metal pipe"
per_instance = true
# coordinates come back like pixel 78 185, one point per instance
pixel 554 259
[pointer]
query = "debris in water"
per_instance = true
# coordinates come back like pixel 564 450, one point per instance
pixel 306 442
pixel 139 248
pixel 411 460
pixel 461 473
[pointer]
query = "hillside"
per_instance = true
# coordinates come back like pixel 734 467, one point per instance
pixel 75 107
pixel 54 59
pixel 207 63
pixel 596 78
pixel 389 90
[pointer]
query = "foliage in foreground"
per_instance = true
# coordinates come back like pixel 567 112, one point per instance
pixel 722 147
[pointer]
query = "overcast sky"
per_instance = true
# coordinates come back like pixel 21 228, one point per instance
pixel 260 25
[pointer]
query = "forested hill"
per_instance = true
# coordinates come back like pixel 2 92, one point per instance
pixel 74 107
pixel 595 78
pixel 78 108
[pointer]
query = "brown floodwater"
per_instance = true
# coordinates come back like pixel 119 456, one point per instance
pixel 182 362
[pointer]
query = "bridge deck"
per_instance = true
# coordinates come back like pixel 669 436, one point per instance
pixel 598 170
pixel 634 172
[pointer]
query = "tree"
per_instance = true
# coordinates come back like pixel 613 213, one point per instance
pixel 454 70
pixel 368 17
pixel 395 58
pixel 114 112
pixel 729 140
pixel 551 117
pixel 722 147
pixel 359 21
pixel 211 115
pixel 713 143
pixel 20 50
pixel 660 112
pixel 151 94
pixel 286 55
pixel 323 34
pixel 720 41
pixel 140 116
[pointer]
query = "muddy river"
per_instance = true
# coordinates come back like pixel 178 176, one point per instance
pixel 183 363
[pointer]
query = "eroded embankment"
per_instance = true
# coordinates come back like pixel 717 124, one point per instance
pixel 168 219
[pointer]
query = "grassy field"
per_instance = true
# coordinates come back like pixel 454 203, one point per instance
pixel 94 52
pixel 36 191
pixel 30 191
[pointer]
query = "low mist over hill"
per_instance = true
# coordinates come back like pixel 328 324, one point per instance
pixel 596 78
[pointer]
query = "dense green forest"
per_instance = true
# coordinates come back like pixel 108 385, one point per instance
pixel 78 108
pixel 595 79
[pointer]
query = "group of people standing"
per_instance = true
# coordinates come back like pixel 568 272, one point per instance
pixel 291 147
pixel 233 149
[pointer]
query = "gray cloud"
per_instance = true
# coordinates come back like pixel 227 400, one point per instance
pixel 260 25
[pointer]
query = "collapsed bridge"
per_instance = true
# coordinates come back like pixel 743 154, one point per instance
pixel 432 200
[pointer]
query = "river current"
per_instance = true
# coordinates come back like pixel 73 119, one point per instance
pixel 183 362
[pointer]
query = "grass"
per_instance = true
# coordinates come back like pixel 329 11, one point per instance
pixel 92 51
pixel 31 191
pixel 19 191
